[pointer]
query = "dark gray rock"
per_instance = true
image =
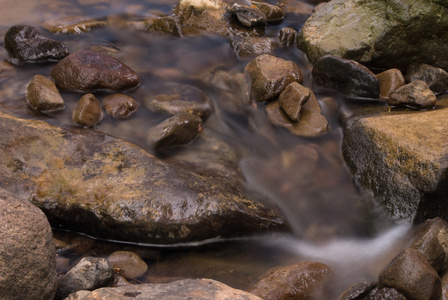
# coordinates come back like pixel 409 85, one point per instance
pixel 25 44
pixel 249 16
pixel 43 96
pixel 435 78
pixel 389 81
pixel 88 71
pixel 401 157
pixel 198 289
pixel 28 261
pixel 415 95
pixel 378 33
pixel 346 76
pixel 412 275
pixel 304 280
pixel 88 111
pixel 431 239
pixel 119 106
pixel 89 273
pixel 174 98
pixel 175 131
pixel 131 195
pixel 269 75
pixel 249 45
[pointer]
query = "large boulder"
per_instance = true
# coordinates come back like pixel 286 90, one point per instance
pixel 402 157
pixel 103 186
pixel 379 33
pixel 27 252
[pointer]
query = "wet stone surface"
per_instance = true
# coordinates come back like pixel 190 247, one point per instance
pixel 119 106
pixel 88 111
pixel 43 96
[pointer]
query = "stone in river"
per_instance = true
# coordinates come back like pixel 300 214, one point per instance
pixel 72 25
pixel 273 13
pixel 119 106
pixel 299 281
pixel 130 263
pixel 43 96
pixel 435 78
pixel 249 16
pixel 168 25
pixel 88 71
pixel 105 187
pixel 249 45
pixel 312 122
pixel 411 275
pixel 269 75
pixel 25 44
pixel 287 37
pixel 178 130
pixel 346 76
pixel 415 95
pixel 292 99
pixel 389 81
pixel 27 251
pixel 88 111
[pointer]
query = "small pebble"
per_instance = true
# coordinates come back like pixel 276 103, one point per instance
pixel 88 111
pixel 120 106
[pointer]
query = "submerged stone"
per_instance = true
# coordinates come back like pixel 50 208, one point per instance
pixel 118 191
pixel 73 25
pixel 88 71
pixel 129 263
pixel 119 106
pixel 249 16
pixel 287 37
pixel 25 44
pixel 43 96
pixel 250 45
pixel 164 25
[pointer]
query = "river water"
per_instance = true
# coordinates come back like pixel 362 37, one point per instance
pixel 332 220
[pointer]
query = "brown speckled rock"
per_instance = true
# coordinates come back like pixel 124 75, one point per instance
pixel 119 106
pixel 42 95
pixel 415 94
pixel 130 263
pixel 389 80
pixel 88 71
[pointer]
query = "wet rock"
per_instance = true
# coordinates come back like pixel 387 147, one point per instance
pixel 88 71
pixel 411 275
pixel 130 263
pixel 415 94
pixel 248 46
pixel 435 78
pixel 401 158
pixel 378 33
pixel 27 264
pixel 389 81
pixel 25 44
pixel 269 75
pixel 358 291
pixel 346 76
pixel 273 13
pixel 249 16
pixel 287 37
pixel 89 273
pixel 131 195
pixel 178 130
pixel 292 99
pixel 304 280
pixel 201 5
pixel 79 295
pixel 312 122
pixel 164 24
pixel 198 289
pixel 387 294
pixel 119 106
pixel 43 96
pixel 88 111
pixel 73 25
pixel 173 99
pixel 431 239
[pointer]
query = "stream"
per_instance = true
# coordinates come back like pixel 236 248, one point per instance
pixel 332 220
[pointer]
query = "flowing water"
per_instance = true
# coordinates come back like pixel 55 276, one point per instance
pixel 333 221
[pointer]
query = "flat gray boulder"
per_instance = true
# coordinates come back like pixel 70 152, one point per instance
pixel 379 33
pixel 402 158
pixel 93 183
